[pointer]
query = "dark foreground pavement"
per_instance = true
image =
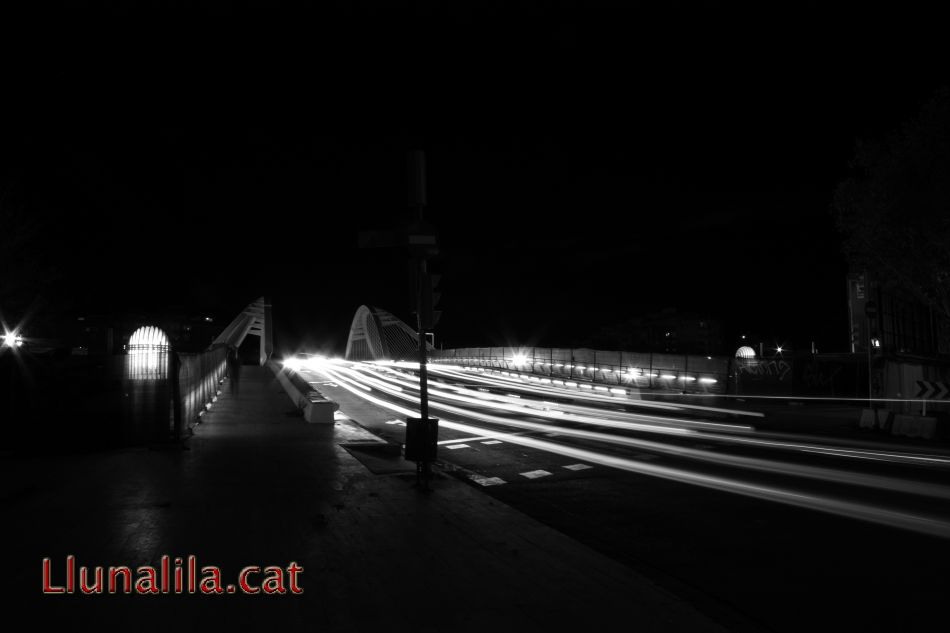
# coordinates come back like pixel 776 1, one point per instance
pixel 260 486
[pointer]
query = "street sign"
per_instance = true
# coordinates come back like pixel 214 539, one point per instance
pixel 932 390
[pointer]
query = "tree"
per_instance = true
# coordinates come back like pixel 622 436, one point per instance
pixel 894 211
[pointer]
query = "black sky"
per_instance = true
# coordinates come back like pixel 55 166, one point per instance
pixel 584 166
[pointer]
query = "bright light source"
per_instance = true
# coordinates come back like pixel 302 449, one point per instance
pixel 707 380
pixel 875 342
pixel 316 362
pixel 519 359
pixel 668 377
pixel 623 391
pixel 208 319
pixel 745 352
pixel 687 378
pixel 778 349
pixel 148 339
pixel 293 363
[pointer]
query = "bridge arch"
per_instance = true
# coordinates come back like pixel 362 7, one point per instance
pixel 255 319
pixel 376 334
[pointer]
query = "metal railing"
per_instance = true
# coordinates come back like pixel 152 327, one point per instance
pixel 683 373
pixel 199 378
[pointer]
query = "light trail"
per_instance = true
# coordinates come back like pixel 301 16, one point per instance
pixel 462 374
pixel 841 507
pixel 655 424
pixel 723 459
pixel 789 442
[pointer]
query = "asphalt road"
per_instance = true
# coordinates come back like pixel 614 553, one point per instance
pixel 758 529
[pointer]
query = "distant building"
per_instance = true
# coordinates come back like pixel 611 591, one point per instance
pixel 893 322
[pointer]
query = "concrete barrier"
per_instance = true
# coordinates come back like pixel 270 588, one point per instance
pixel 319 409
pixel 876 419
pixel 915 426
pixel 316 408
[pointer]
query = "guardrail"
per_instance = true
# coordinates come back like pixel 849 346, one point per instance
pixel 680 373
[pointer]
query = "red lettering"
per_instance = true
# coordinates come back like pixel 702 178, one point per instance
pixel 47 587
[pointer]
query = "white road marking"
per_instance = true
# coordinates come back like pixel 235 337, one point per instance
pixel 487 481
pixel 396 422
pixel 534 474
pixel 578 467
pixel 466 439
pixel 493 442
pixel 455 446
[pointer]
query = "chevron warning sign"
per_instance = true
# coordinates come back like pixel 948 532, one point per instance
pixel 932 390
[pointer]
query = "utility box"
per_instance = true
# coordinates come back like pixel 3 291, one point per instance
pixel 421 437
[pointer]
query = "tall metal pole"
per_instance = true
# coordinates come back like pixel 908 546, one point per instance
pixel 423 371
pixel 417 183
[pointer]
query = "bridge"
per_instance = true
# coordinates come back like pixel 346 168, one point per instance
pixel 642 457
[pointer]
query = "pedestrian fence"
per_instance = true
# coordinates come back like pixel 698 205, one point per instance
pixel 199 377
pixel 681 373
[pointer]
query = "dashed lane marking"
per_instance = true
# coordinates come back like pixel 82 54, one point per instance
pixel 493 442
pixel 534 474
pixel 455 446
pixel 578 466
pixel 396 422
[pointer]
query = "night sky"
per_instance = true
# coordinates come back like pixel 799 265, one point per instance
pixel 584 167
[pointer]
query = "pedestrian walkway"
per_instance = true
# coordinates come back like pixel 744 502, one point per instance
pixel 260 486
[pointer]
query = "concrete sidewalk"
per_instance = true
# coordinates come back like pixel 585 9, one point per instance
pixel 260 486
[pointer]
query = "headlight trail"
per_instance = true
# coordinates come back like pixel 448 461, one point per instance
pixel 460 373
pixel 841 507
pixel 785 441
pixel 654 423
pixel 723 459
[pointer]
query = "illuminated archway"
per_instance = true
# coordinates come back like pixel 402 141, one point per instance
pixel 148 339
pixel 745 352
pixel 148 354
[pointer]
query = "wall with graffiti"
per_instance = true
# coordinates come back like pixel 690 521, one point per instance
pixel 829 375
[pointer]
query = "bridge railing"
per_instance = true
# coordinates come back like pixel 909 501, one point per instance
pixel 664 372
pixel 198 382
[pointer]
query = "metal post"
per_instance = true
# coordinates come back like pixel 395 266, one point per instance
pixel 175 371
pixel 867 332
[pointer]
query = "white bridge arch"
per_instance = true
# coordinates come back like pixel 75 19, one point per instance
pixel 255 319
pixel 376 334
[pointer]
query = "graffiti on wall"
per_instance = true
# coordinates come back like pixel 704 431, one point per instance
pixel 777 368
